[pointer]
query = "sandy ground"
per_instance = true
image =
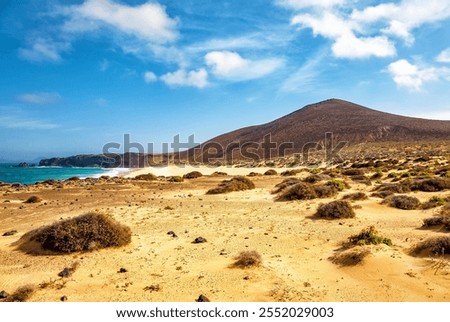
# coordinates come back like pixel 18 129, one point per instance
pixel 294 247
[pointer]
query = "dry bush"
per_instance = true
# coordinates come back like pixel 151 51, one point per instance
pixel 391 188
pixel 355 196
pixel 436 246
pixel 271 172
pixel 298 191
pixel 353 172
pixel 403 202
pixel 382 194
pixel 238 183
pixel 443 221
pixel 146 177
pixel 247 259
pixel 254 174
pixel 313 178
pixel 284 184
pixel 350 257
pixel 335 209
pixel 288 173
pixel 431 185
pixel 434 202
pixel 219 174
pixel 340 185
pixel 325 191
pixel 368 236
pixel 33 199
pixel 176 179
pixel 86 232
pixel 362 179
pixel 22 294
pixel 193 175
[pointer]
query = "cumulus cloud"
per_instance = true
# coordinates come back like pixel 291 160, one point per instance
pixel 371 30
pixel 39 98
pixel 148 21
pixel 411 76
pixel 194 78
pixel 231 66
pixel 444 56
pixel 150 77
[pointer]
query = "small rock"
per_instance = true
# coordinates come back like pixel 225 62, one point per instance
pixel 63 298
pixel 172 233
pixel 66 272
pixel 3 295
pixel 152 288
pixel 10 233
pixel 199 240
pixel 123 270
pixel 202 298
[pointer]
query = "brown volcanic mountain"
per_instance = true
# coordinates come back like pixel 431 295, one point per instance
pixel 347 121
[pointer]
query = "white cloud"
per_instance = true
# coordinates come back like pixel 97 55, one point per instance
pixel 39 98
pixel 101 102
pixel 230 65
pixel 150 77
pixel 148 21
pixel 195 78
pixel 411 76
pixel 300 4
pixel 350 46
pixel 305 78
pixel 42 49
pixel 444 56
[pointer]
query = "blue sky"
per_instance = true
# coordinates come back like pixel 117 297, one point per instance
pixel 76 75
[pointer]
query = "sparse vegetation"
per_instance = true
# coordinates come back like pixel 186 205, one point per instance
pixel 146 177
pixel 271 172
pixel 314 178
pixel 247 259
pixel 335 209
pixel 434 202
pixel 176 179
pixel 238 183
pixel 83 233
pixel 325 191
pixel 353 172
pixel 22 294
pixel 33 199
pixel 355 196
pixel 298 191
pixel 369 236
pixel 434 246
pixel 340 185
pixel 288 173
pixel 284 184
pixel 350 257
pixel 403 202
pixel 431 185
pixel 193 175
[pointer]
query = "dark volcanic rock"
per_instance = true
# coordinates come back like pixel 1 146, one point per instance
pixel 127 160
pixel 202 298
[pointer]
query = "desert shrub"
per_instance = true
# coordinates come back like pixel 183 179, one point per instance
pixel 431 185
pixel 288 173
pixel 219 174
pixel 86 232
pixel 193 175
pixel 439 245
pixel 340 185
pixel 238 183
pixel 355 196
pixel 350 257
pixel 254 174
pixel 247 259
pixel 284 184
pixel 33 199
pixel 437 221
pixel 22 294
pixel 361 179
pixel 325 191
pixel 353 172
pixel 313 178
pixel 401 187
pixel 176 179
pixel 147 177
pixel 377 175
pixel 434 202
pixel 298 191
pixel 368 236
pixel 335 209
pixel 271 172
pixel 403 202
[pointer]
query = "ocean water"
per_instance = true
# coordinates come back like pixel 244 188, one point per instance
pixel 9 173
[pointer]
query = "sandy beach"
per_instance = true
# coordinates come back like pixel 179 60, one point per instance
pixel 156 266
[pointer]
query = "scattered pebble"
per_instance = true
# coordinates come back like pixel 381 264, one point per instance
pixel 3 295
pixel 199 240
pixel 10 233
pixel 152 288
pixel 63 298
pixel 123 270
pixel 202 298
pixel 172 233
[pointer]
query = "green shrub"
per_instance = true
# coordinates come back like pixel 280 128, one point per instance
pixel 369 236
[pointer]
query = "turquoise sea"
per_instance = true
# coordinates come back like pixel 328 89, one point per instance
pixel 10 173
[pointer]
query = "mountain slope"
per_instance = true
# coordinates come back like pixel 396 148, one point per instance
pixel 347 121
